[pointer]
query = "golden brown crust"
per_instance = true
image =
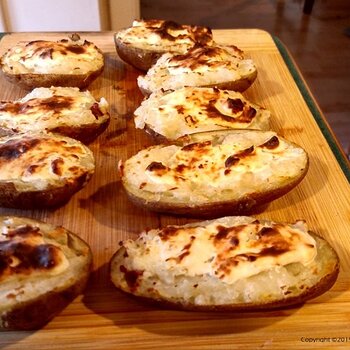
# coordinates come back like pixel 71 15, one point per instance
pixel 10 197
pixel 31 80
pixel 142 59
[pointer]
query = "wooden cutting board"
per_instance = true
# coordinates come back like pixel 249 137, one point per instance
pixel 105 318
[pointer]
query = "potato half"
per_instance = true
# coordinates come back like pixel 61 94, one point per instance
pixel 42 63
pixel 214 173
pixel 40 170
pixel 173 114
pixel 43 268
pixel 231 264
pixel 63 110
pixel 223 67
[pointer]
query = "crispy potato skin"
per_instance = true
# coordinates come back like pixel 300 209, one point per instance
pixel 37 312
pixel 30 81
pixel 324 284
pixel 245 206
pixel 10 197
pixel 238 85
pixel 85 133
pixel 139 58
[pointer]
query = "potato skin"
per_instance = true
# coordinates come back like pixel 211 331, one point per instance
pixel 238 85
pixel 326 283
pixel 139 58
pixel 38 312
pixel 30 81
pixel 245 206
pixel 84 134
pixel 10 197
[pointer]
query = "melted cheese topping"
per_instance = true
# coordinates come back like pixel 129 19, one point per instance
pixel 189 110
pixel 244 162
pixel 47 57
pixel 36 161
pixel 200 66
pixel 222 249
pixel 25 252
pixel 163 35
pixel 49 108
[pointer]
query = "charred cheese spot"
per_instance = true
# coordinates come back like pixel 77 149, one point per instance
pixel 24 231
pixel 156 166
pixel 22 257
pixel 57 166
pixel 272 143
pixel 46 54
pixel 236 105
pixel 199 56
pixel 184 252
pixel 168 232
pixel 131 277
pixel 16 148
pixel 231 161
pixel 234 159
pixel 76 49
pixel 196 146
pixel 96 111
pixel 55 104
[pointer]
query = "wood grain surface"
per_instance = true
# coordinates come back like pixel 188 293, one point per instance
pixel 105 318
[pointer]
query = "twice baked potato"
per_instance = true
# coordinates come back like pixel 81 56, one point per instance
pixel 171 114
pixel 142 44
pixel 63 110
pixel 223 67
pixel 42 63
pixel 231 263
pixel 210 174
pixel 40 170
pixel 43 268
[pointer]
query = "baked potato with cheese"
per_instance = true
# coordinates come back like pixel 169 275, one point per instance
pixel 41 63
pixel 223 67
pixel 146 40
pixel 63 110
pixel 210 174
pixel 43 268
pixel 227 264
pixel 41 170
pixel 169 115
